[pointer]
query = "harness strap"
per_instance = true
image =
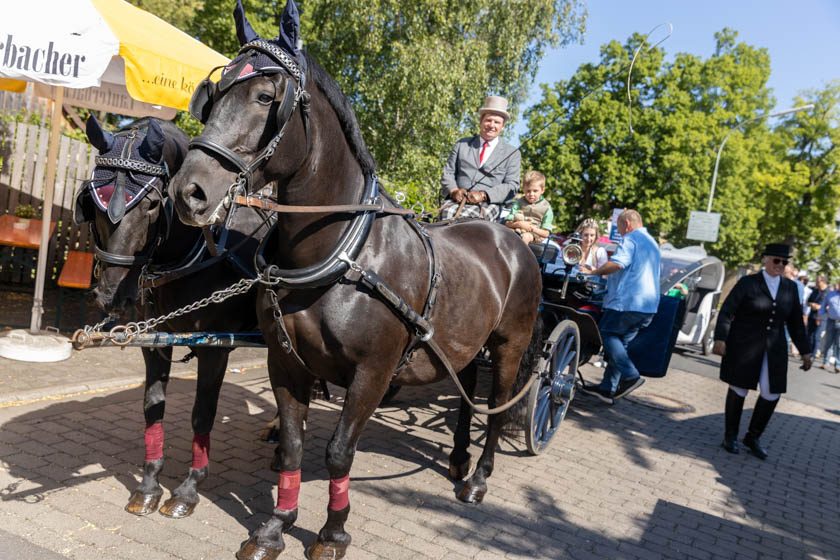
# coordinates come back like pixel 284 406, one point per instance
pixel 423 327
pixel 282 333
pixel 431 297
pixel 119 260
pixel 225 152
pixel 332 209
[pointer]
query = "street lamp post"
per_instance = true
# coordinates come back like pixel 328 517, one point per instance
pixel 738 126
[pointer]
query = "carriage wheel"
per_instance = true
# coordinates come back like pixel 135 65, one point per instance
pixel 553 392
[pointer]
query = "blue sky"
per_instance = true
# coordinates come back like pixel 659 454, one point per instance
pixel 802 36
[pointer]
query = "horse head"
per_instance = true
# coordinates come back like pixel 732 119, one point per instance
pixel 262 124
pixel 125 202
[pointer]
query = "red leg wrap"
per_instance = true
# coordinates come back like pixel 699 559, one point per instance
pixel 339 493
pixel 288 489
pixel 200 450
pixel 153 437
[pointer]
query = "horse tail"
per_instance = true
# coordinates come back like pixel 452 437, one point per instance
pixel 516 417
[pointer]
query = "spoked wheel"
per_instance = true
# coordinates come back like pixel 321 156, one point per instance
pixel 553 392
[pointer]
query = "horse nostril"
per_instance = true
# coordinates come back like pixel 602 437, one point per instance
pixel 194 191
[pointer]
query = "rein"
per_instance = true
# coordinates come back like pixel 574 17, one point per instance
pixel 272 206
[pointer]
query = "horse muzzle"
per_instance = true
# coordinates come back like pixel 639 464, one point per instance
pixel 194 209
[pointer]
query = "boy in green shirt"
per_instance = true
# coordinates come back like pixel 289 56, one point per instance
pixel 531 215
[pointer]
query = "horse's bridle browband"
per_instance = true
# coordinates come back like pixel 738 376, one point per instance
pixel 277 54
pixel 133 165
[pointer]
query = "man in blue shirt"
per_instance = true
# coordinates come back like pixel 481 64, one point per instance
pixel 830 313
pixel 629 306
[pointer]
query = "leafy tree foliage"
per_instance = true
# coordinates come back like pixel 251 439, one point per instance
pixel 417 71
pixel 773 183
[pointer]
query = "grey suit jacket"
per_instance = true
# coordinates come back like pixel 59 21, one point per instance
pixel 499 176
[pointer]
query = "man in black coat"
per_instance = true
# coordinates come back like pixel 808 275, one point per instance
pixel 750 336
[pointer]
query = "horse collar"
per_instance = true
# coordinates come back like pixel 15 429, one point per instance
pixel 331 269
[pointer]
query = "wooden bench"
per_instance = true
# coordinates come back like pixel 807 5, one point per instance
pixel 77 273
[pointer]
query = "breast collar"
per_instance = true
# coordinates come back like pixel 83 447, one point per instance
pixel 335 265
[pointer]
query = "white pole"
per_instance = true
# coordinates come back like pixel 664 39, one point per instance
pixel 49 184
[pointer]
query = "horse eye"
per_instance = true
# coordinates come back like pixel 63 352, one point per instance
pixel 265 98
pixel 153 206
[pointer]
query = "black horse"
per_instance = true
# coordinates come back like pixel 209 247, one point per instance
pixel 139 242
pixel 277 118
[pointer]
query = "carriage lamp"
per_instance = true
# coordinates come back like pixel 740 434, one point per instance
pixel 572 255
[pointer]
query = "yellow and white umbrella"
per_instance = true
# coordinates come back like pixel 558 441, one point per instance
pixel 97 49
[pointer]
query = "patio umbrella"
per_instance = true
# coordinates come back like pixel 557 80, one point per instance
pixel 78 43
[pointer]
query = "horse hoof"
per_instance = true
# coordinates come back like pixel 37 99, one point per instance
pixel 471 494
pixel 143 504
pixel 250 550
pixel 326 551
pixel 176 508
pixel 459 472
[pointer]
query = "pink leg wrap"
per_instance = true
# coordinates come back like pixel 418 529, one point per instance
pixel 339 493
pixel 200 450
pixel 153 437
pixel 288 489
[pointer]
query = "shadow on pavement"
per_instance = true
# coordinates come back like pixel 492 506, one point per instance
pixel 784 502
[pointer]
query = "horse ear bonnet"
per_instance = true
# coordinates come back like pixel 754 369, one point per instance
pixel 100 139
pixel 252 62
pixel 289 37
pixel 151 148
pixel 99 192
pixel 244 32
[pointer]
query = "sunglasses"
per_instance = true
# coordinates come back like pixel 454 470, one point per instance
pixel 780 261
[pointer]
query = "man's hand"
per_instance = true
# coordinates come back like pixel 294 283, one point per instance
pixel 457 195
pixel 476 197
pixel 807 362
pixel 586 269
pixel 719 348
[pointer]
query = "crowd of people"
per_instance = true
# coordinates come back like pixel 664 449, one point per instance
pixel 764 317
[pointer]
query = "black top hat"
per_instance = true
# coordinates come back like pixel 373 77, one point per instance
pixel 777 250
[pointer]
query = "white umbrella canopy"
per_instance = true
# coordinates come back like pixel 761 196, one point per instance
pixel 114 56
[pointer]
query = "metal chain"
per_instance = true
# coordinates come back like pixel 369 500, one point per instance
pixel 83 336
pixel 122 335
pixel 130 330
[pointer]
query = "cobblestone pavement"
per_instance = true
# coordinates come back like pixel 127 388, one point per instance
pixel 645 478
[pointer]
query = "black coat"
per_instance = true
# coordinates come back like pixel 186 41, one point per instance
pixel 752 323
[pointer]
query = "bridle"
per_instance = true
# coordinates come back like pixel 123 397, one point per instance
pixel 207 93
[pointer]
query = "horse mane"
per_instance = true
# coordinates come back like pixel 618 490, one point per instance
pixel 338 101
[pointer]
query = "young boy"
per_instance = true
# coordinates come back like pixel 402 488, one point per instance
pixel 531 216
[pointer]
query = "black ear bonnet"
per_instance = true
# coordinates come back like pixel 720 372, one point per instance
pixel 257 57
pixel 129 165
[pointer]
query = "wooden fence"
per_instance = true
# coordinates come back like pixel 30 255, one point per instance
pixel 23 150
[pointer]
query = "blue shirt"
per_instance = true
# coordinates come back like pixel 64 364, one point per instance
pixel 831 305
pixel 636 286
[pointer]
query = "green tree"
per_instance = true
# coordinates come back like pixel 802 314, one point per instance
pixel 181 14
pixel 415 71
pixel 803 188
pixel 681 111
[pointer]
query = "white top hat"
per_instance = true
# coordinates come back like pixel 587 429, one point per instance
pixel 495 104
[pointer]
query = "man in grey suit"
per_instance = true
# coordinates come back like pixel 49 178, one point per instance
pixel 482 171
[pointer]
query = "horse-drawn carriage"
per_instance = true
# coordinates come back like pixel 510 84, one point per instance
pixel 347 285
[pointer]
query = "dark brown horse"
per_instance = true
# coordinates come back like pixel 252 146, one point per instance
pixel 137 239
pixel 276 118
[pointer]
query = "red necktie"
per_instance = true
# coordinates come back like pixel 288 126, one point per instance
pixel 481 155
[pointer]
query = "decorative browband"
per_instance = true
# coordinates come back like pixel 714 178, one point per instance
pixel 274 52
pixel 133 165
